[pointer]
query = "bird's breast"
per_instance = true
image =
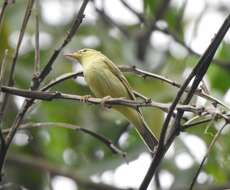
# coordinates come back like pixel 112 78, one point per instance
pixel 102 82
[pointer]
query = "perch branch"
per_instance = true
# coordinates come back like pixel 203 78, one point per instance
pixel 199 72
pixel 49 96
pixel 99 137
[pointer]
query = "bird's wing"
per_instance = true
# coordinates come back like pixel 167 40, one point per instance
pixel 116 71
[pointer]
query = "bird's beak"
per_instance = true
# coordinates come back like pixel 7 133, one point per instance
pixel 74 55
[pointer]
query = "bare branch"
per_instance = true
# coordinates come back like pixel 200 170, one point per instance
pixel 143 38
pixel 61 79
pixel 217 135
pixel 67 39
pixel 2 80
pixel 199 72
pixel 99 137
pixel 28 103
pixel 49 96
pixel 21 34
pixel 4 5
pixel 222 64
pixel 137 14
pixel 146 74
pixel 109 20
pixel 37 48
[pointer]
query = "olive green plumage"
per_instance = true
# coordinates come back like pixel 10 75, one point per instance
pixel 105 79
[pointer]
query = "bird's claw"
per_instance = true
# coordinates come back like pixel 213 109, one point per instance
pixel 103 102
pixel 153 152
pixel 85 98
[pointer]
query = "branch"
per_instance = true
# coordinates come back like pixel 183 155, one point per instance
pixel 43 165
pixel 199 70
pixel 49 96
pixel 21 34
pixel 37 48
pixel 146 74
pixel 46 70
pixel 28 103
pixel 143 38
pixel 222 64
pixel 110 21
pixel 99 137
pixel 139 72
pixel 2 78
pixel 140 16
pixel 61 79
pixel 4 5
pixel 217 135
pixel 214 116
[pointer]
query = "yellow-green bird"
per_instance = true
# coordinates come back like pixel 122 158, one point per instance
pixel 105 79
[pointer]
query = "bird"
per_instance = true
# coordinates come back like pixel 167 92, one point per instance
pixel 105 80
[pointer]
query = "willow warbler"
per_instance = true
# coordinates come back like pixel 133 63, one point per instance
pixel 105 79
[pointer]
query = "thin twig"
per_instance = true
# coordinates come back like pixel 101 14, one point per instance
pixel 146 74
pixel 37 63
pixel 21 34
pixel 106 141
pixel 60 79
pixel 15 57
pixel 3 67
pixel 4 5
pixel 2 80
pixel 37 48
pixel 99 137
pixel 180 15
pixel 110 21
pixel 75 25
pixel 189 125
pixel 137 14
pixel 143 38
pixel 217 135
pixel 222 64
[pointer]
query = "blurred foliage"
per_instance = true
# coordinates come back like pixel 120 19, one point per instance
pixel 80 151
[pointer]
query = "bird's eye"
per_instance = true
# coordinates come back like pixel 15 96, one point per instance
pixel 84 50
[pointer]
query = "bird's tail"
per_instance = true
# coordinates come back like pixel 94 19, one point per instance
pixel 136 118
pixel 148 137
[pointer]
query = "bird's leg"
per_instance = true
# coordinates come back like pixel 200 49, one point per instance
pixel 103 102
pixel 85 98
pixel 154 151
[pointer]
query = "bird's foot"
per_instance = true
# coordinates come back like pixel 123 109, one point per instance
pixel 85 98
pixel 153 152
pixel 103 102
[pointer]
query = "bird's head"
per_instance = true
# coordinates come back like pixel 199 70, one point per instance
pixel 83 54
